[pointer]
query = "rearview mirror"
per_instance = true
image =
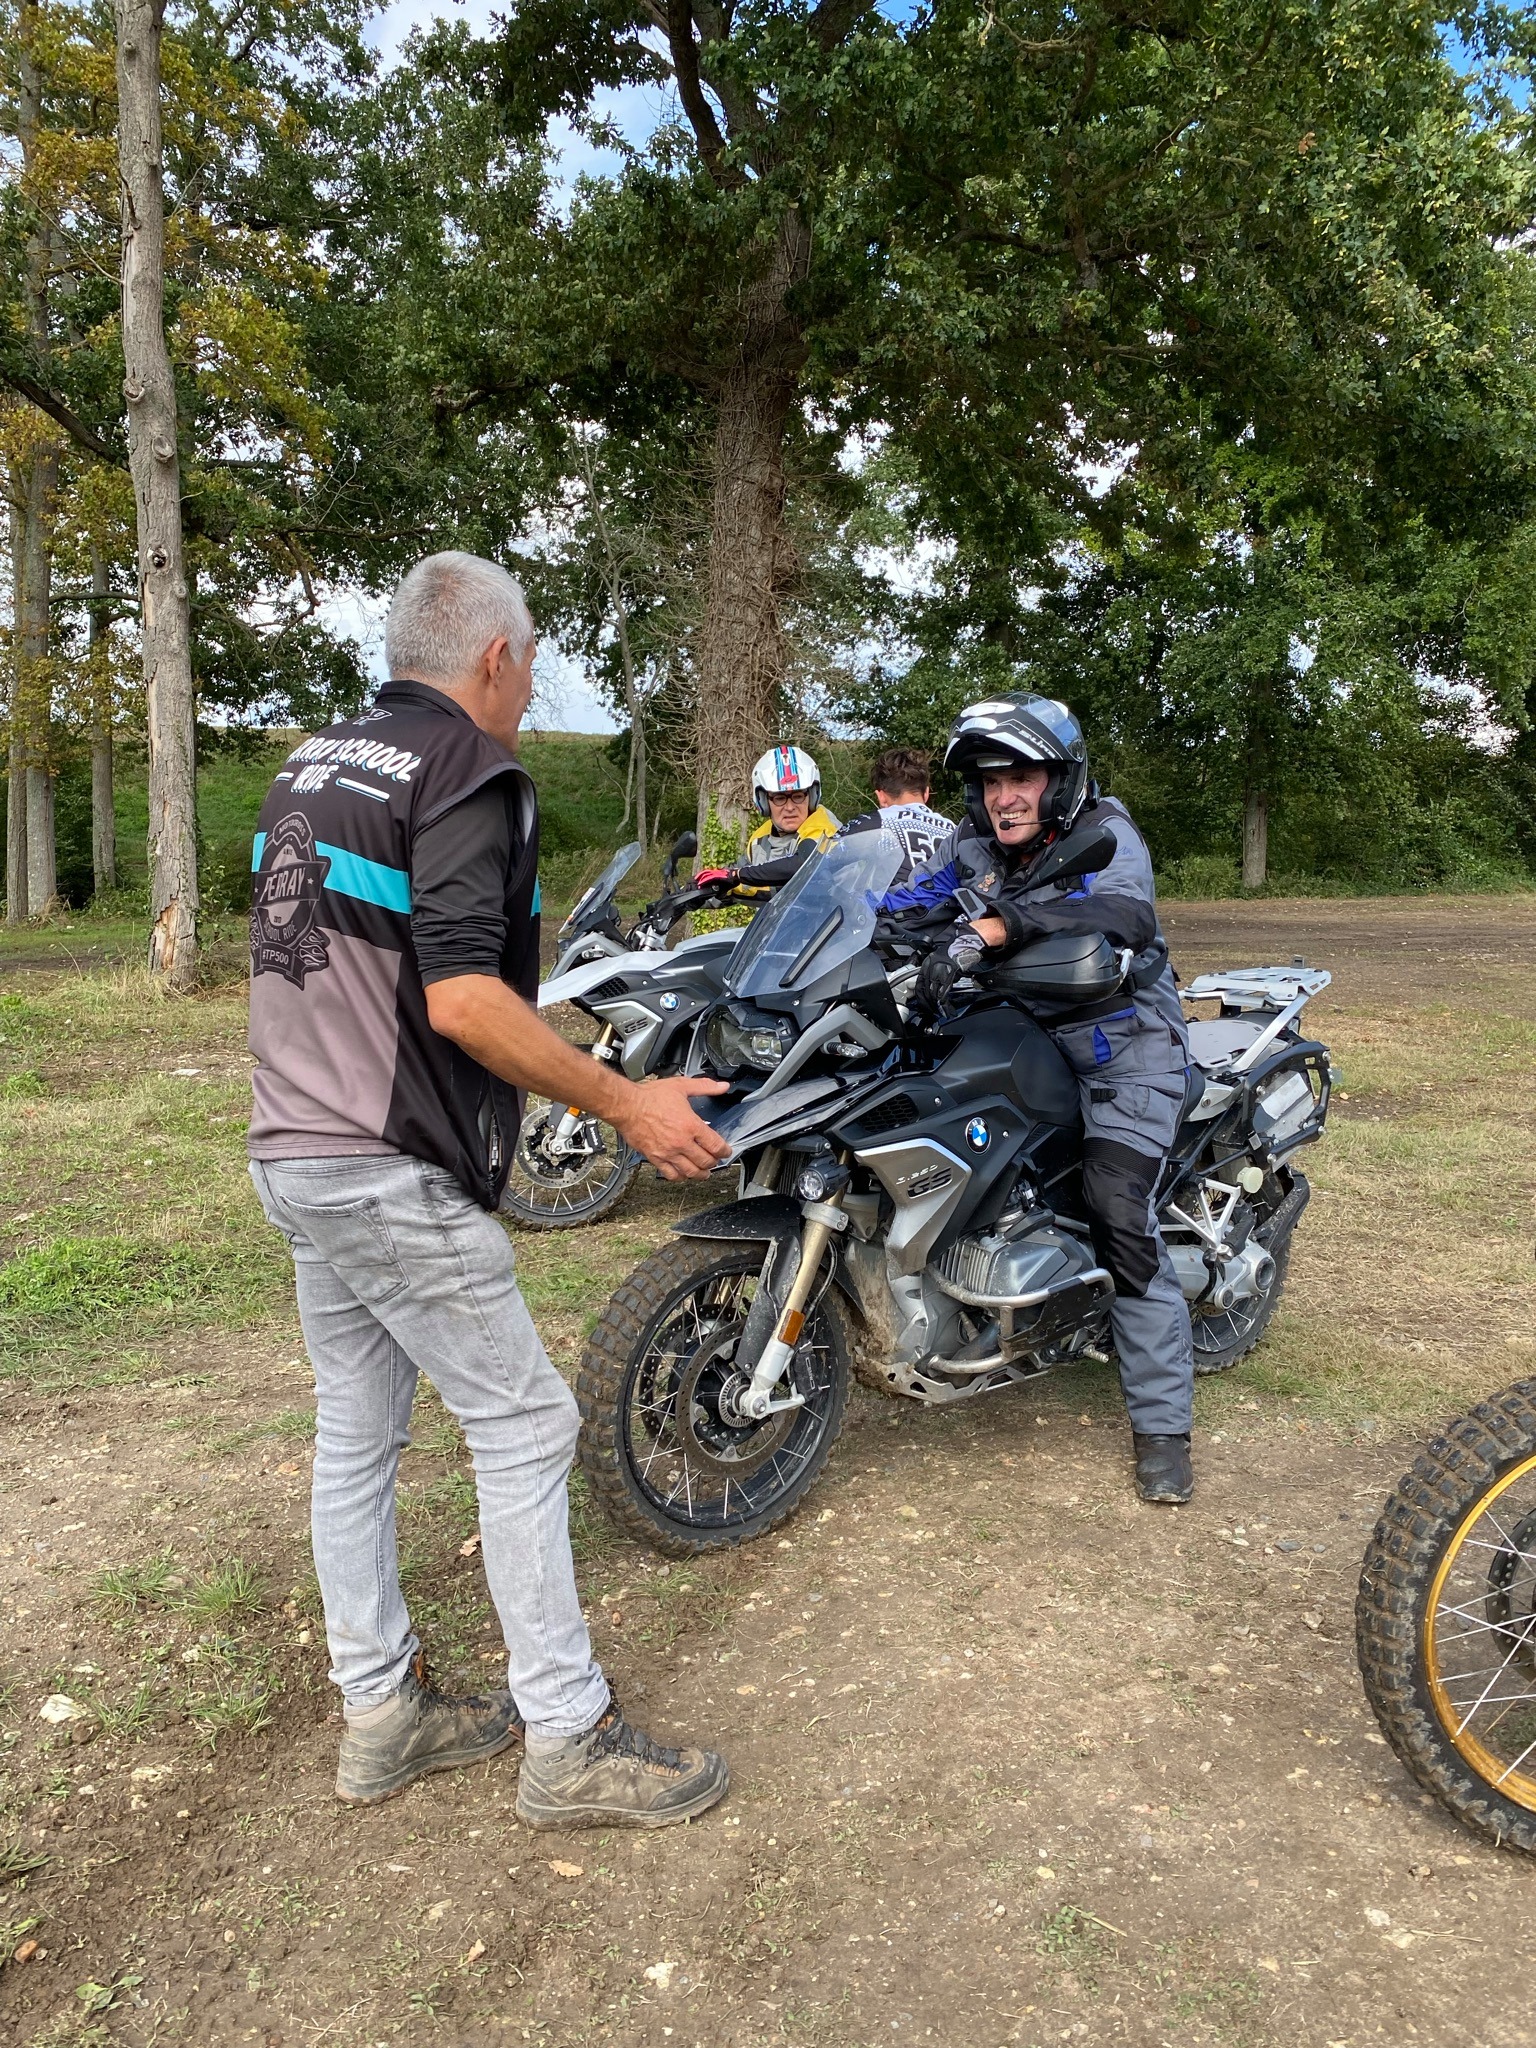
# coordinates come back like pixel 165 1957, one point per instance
pixel 684 847
pixel 1080 854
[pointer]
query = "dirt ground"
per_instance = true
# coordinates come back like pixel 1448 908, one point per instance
pixel 1014 1759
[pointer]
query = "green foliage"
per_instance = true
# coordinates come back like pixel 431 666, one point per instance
pixel 78 1280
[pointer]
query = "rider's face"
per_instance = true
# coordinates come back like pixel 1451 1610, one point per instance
pixel 1012 797
pixel 790 811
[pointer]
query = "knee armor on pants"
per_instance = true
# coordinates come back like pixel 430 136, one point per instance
pixel 1118 1185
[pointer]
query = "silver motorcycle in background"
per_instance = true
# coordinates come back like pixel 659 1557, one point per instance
pixel 569 1167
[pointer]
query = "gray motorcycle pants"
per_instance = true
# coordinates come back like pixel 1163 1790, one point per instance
pixel 1128 1127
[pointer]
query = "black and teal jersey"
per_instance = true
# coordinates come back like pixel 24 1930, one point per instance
pixel 347 1061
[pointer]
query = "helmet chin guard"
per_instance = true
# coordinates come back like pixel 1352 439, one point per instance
pixel 1022 730
pixel 784 771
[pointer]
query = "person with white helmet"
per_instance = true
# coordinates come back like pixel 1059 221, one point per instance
pixel 786 789
pixel 1025 767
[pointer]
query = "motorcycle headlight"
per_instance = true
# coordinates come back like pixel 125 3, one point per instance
pixel 740 1037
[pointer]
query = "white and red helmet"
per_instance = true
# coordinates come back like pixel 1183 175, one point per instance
pixel 785 771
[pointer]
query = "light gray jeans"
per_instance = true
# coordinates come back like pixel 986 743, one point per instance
pixel 399 1272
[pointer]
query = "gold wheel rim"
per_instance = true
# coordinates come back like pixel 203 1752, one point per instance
pixel 1519 1786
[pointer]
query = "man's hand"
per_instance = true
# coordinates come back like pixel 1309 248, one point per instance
pixel 496 1027
pixel 658 1120
pixel 706 876
pixel 991 930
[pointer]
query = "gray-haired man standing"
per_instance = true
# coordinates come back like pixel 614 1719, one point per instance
pixel 394 963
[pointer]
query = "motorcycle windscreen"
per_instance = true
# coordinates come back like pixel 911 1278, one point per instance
pixel 602 891
pixel 820 919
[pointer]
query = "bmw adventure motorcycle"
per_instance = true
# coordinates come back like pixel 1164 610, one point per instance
pixel 914 1211
pixel 568 1166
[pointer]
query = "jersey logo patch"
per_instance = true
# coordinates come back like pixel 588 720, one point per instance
pixel 285 901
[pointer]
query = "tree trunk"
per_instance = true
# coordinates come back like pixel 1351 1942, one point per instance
pixel 103 810
pixel 632 698
pixel 42 854
pixel 1255 838
pixel 149 386
pixel 16 905
pixel 37 474
pixel 32 695
pixel 751 563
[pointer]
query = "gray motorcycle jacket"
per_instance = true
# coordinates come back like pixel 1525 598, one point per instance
pixel 1119 901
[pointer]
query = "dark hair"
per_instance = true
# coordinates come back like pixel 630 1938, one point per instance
pixel 898 769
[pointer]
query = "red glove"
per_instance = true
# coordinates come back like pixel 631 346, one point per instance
pixel 708 875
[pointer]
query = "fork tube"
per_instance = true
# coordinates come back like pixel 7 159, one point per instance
pixel 780 1348
pixel 565 1130
pixel 762 1182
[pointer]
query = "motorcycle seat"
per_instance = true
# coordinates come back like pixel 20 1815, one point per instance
pixel 1194 1088
pixel 1213 1041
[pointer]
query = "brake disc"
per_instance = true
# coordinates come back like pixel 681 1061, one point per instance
pixel 708 1422
pixel 1511 1607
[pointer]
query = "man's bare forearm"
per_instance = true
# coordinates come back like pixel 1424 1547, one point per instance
pixel 496 1027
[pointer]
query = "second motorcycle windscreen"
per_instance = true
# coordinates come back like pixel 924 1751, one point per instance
pixel 821 918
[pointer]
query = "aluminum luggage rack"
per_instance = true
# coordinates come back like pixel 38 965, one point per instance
pixel 1283 991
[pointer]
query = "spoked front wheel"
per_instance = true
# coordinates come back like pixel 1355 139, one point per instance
pixel 567 1168
pixel 664 1443
pixel 1445 1620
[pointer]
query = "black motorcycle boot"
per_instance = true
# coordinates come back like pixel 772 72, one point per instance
pixel 1164 1474
pixel 615 1776
pixel 424 1732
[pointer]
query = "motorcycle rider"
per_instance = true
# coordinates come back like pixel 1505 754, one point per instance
pixel 1025 767
pixel 902 783
pixel 786 788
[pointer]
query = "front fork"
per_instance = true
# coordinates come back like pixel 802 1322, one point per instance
pixel 570 1118
pixel 823 1222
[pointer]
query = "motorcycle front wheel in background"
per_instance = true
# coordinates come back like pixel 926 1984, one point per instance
pixel 1445 1619
pixel 560 1178
pixel 663 1445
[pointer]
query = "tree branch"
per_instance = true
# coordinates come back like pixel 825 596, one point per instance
pixel 690 90
pixel 57 410
pixel 832 22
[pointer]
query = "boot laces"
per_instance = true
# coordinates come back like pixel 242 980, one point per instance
pixel 615 1737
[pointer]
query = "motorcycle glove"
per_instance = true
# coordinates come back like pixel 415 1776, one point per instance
pixel 935 978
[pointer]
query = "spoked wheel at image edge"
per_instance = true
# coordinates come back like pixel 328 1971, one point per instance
pixel 665 1445
pixel 1445 1619
pixel 568 1167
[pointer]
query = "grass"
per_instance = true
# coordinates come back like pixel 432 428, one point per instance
pixel 17 1861
pixel 234 1706
pixel 127 1719
pixel 125 1206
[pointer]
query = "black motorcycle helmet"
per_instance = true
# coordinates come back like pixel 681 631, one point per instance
pixel 1020 730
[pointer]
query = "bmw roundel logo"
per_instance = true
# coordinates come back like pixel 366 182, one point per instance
pixel 977 1136
pixel 669 1001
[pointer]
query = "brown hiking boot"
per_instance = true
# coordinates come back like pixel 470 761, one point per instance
pixel 615 1776
pixel 425 1732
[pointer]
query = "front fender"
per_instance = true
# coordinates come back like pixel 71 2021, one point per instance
pixel 762 1218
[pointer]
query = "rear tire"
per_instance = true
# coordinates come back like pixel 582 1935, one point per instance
pixel 1223 1336
pixel 1429 1597
pixel 669 1331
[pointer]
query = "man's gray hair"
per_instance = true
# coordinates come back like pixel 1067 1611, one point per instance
pixel 445 614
